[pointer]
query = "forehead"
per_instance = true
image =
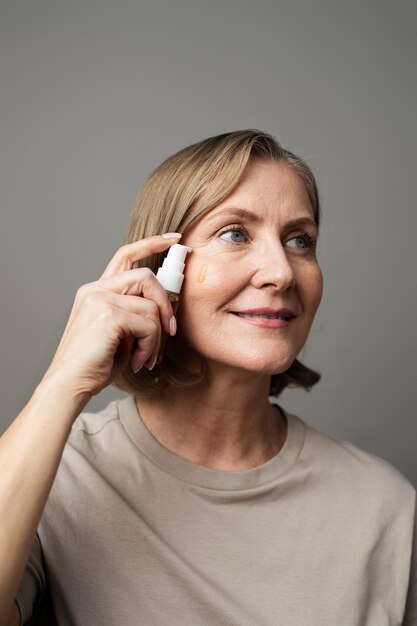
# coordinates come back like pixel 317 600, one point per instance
pixel 268 188
pixel 271 177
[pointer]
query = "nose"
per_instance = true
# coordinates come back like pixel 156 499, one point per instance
pixel 273 269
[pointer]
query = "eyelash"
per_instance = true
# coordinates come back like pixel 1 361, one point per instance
pixel 308 239
pixel 235 227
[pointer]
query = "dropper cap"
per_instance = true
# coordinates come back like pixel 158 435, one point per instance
pixel 170 274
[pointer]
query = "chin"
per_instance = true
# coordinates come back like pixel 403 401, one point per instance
pixel 273 370
pixel 268 366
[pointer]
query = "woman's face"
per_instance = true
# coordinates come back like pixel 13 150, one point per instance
pixel 252 282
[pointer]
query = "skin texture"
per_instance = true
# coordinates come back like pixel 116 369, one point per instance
pixel 257 259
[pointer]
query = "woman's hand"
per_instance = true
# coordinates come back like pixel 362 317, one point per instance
pixel 125 306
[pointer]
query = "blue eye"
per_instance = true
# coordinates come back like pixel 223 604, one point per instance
pixel 234 235
pixel 300 242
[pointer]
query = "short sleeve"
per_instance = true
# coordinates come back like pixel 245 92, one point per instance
pixel 33 583
pixel 410 617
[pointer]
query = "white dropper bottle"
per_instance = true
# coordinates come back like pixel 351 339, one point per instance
pixel 171 276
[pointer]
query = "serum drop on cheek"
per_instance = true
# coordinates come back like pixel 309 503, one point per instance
pixel 202 275
pixel 171 276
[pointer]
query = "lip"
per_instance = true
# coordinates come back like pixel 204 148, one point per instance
pixel 266 317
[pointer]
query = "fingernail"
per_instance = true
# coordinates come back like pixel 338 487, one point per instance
pixel 151 363
pixel 172 326
pixel 137 369
pixel 172 235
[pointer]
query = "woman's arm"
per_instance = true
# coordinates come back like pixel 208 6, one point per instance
pixel 30 452
pixel 94 348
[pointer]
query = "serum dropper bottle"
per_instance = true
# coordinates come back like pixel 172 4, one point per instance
pixel 171 276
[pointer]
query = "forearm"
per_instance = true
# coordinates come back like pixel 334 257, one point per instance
pixel 30 453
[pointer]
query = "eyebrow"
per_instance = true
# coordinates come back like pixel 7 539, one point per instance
pixel 234 212
pixel 253 218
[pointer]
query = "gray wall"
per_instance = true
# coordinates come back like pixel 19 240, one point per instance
pixel 94 94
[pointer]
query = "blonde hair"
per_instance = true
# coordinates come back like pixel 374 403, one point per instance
pixel 180 192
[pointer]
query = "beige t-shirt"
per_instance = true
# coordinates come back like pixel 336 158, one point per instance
pixel 320 535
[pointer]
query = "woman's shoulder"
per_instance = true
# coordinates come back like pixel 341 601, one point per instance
pixel 100 431
pixel 350 464
pixel 93 422
pixel 98 449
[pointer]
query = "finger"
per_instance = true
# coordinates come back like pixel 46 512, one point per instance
pixel 142 308
pixel 133 304
pixel 128 254
pixel 141 282
pixel 147 335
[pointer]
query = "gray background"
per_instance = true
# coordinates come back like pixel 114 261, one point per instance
pixel 94 94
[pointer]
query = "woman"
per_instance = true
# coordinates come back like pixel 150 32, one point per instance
pixel 195 500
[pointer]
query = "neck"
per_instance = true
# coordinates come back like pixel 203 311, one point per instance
pixel 226 422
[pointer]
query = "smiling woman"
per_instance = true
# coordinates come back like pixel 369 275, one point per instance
pixel 195 500
pixel 214 186
pixel 262 283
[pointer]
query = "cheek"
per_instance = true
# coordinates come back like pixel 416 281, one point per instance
pixel 208 282
pixel 312 287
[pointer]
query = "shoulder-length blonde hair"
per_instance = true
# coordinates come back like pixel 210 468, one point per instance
pixel 180 192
